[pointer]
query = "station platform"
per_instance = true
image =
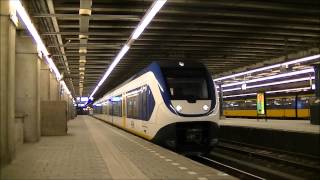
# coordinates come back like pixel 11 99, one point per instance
pixel 296 136
pixel 303 126
pixel 95 150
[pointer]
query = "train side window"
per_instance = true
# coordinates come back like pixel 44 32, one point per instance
pixel 304 102
pixel 109 108
pixel 116 106
pixel 289 103
pixel 251 104
pixel 135 104
pixel 140 103
pixel 275 103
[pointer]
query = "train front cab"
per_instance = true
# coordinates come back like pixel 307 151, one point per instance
pixel 191 106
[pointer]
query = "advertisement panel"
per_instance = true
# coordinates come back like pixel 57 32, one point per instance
pixel 261 103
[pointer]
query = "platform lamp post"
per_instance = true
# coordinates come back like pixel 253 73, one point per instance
pixel 315 106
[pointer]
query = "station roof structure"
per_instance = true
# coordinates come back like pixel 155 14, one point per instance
pixel 84 36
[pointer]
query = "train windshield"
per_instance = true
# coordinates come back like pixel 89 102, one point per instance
pixel 186 84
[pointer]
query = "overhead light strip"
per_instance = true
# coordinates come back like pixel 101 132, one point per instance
pixel 240 95
pixel 40 45
pixel 271 84
pixel 270 92
pixel 280 82
pixel 155 7
pixel 147 18
pixel 305 59
pixel 310 70
pixel 289 90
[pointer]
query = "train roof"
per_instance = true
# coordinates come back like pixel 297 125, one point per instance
pixel 153 66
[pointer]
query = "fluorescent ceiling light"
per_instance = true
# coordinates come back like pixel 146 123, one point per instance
pixel 271 77
pixel 84 99
pixel 305 59
pixel 244 86
pixel 40 45
pixel 271 84
pixel 83 50
pixel 280 82
pixel 85 12
pixel 289 90
pixel 239 95
pixel 156 6
pixel 83 36
pixel 269 92
pixel 123 51
pixel 233 89
pixel 94 91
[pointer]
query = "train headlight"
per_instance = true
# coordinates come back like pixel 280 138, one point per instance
pixel 178 108
pixel 205 107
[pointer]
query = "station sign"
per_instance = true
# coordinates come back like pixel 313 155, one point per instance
pixel 261 103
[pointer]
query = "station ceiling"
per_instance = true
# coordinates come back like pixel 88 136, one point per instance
pixel 223 34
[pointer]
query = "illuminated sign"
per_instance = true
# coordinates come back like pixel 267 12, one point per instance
pixel 84 99
pixel 261 104
pixel 116 98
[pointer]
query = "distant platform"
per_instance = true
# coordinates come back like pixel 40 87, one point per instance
pixel 95 150
pixel 303 126
pixel 296 136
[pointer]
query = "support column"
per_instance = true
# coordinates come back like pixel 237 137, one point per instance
pixel 221 102
pixel 7 84
pixel 44 82
pixel 27 87
pixel 317 80
pixel 54 88
pixel 315 107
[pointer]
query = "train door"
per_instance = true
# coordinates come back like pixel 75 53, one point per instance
pixel 148 103
pixel 124 110
pixel 289 106
pixel 112 106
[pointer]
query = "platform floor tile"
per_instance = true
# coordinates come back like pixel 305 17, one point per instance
pixel 74 156
pixel 153 161
pixel 96 150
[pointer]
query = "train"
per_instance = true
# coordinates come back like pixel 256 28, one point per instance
pixel 174 105
pixel 293 105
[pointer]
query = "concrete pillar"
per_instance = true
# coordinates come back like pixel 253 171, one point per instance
pixel 315 106
pixel 49 84
pixel 317 80
pixel 7 84
pixel 27 87
pixel 54 88
pixel 221 102
pixel 44 82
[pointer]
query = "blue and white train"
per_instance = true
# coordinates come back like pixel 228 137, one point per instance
pixel 174 105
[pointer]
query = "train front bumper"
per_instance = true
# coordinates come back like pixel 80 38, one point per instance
pixel 188 137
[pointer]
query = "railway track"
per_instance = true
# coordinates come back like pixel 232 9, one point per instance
pixel 249 162
pixel 226 168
